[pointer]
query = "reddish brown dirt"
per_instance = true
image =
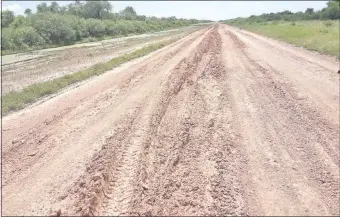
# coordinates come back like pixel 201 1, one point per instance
pixel 222 122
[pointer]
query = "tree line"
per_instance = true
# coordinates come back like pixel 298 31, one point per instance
pixel 54 25
pixel 331 12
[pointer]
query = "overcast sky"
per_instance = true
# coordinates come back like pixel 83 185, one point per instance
pixel 212 10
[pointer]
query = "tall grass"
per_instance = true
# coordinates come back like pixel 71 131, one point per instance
pixel 16 100
pixel 317 35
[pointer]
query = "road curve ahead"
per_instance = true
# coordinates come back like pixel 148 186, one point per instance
pixel 222 122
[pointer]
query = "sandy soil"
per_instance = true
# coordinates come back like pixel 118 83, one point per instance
pixel 21 70
pixel 222 122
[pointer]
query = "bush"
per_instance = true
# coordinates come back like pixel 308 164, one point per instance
pixel 7 39
pixel 54 28
pixel 18 21
pixel 21 38
pixel 111 28
pixel 28 37
pixel 122 28
pixel 95 28
pixel 328 23
pixel 79 26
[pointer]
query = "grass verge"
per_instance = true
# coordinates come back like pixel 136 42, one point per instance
pixel 317 35
pixel 16 100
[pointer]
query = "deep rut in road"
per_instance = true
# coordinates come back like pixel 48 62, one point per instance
pixel 132 182
pixel 214 124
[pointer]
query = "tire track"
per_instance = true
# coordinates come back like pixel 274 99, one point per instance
pixel 314 75
pixel 227 184
pixel 190 180
pixel 268 97
pixel 93 108
pixel 131 81
pixel 129 158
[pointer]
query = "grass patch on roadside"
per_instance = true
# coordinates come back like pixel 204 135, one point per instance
pixel 16 100
pixel 317 35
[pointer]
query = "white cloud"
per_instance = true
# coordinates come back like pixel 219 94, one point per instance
pixel 12 7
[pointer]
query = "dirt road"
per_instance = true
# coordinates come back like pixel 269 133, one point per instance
pixel 222 122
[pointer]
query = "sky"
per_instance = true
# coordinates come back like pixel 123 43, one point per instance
pixel 211 10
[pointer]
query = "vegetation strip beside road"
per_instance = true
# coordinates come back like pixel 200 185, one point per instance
pixel 78 22
pixel 16 100
pixel 314 30
pixel 316 35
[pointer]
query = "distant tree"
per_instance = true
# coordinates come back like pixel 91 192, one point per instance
pixel 7 18
pixel 129 13
pixel 76 9
pixel 333 3
pixel 54 7
pixel 141 17
pixel 286 12
pixel 28 11
pixel 41 8
pixel 96 9
pixel 309 10
pixel 172 18
pixel 62 9
pixel 332 11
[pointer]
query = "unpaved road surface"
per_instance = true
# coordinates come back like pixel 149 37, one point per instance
pixel 222 122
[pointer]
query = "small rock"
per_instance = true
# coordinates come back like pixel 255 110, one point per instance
pixel 211 123
pixel 300 97
pixel 62 197
pixel 97 177
pixel 32 154
pixel 195 188
pixel 145 186
pixel 82 184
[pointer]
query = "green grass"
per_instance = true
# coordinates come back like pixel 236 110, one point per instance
pixel 317 35
pixel 16 100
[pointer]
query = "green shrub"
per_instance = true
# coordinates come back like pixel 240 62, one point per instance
pixel 95 28
pixel 7 39
pixel 29 36
pixel 54 28
pixel 328 23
